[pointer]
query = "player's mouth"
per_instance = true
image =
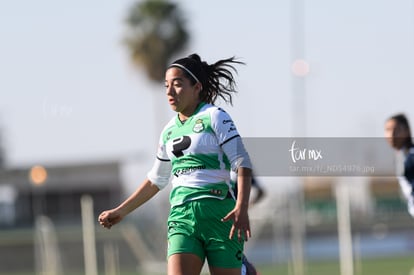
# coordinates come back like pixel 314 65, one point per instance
pixel 172 101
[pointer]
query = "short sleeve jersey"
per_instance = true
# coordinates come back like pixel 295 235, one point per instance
pixel 200 169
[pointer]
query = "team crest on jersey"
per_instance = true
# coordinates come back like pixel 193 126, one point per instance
pixel 198 126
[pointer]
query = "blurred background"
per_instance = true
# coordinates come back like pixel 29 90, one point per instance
pixel 82 104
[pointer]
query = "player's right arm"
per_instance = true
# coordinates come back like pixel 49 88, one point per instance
pixel 157 178
pixel 143 193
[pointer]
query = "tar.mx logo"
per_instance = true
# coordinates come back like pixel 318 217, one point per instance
pixel 51 109
pixel 304 154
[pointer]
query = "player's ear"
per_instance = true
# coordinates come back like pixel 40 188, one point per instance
pixel 198 87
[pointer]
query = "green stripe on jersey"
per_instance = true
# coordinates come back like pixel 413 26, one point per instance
pixel 182 194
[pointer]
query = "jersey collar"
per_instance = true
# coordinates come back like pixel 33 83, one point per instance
pixel 179 123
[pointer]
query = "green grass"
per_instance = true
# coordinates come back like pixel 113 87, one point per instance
pixel 378 266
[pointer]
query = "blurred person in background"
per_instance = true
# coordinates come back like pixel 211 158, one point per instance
pixel 197 149
pixel 259 191
pixel 398 135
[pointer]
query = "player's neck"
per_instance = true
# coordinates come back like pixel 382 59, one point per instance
pixel 184 115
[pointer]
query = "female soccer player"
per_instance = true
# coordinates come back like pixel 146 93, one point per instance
pixel 197 149
pixel 398 134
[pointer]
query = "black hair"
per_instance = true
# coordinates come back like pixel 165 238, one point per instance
pixel 402 120
pixel 216 79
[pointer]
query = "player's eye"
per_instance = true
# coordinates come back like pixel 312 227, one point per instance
pixel 177 84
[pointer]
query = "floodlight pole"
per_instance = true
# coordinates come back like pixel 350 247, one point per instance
pixel 300 70
pixel 296 205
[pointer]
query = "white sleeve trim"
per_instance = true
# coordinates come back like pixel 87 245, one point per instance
pixel 160 173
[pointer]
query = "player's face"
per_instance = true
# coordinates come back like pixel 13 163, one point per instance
pixel 396 134
pixel 182 95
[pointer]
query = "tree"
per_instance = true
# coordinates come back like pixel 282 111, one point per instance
pixel 156 33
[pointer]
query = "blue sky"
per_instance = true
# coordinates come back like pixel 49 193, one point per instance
pixel 69 93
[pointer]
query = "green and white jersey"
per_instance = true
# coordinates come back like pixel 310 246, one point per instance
pixel 201 152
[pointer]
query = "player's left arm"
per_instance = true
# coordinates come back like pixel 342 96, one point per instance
pixel 240 215
pixel 232 145
pixel 244 179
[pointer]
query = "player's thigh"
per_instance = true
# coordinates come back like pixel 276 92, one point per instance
pixel 185 264
pixel 182 233
pixel 224 271
pixel 220 250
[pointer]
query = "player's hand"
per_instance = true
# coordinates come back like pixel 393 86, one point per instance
pixel 241 224
pixel 109 218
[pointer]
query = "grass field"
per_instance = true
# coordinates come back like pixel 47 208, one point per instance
pixel 378 266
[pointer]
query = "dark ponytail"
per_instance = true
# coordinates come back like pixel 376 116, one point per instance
pixel 217 79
